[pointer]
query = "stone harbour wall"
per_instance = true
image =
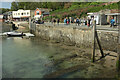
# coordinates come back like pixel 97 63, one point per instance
pixel 79 37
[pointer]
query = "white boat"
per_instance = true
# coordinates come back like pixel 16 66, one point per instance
pixel 13 34
pixel 16 34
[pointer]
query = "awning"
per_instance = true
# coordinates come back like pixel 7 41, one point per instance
pixel 113 14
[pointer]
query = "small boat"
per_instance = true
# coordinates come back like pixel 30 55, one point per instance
pixel 15 35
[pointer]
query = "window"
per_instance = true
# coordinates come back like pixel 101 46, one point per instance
pixel 27 13
pixel 18 13
pixel 21 13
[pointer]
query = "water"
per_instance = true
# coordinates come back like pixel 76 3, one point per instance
pixel 34 58
pixel 27 58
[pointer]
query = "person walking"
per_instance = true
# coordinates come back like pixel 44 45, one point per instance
pixel 65 21
pixel 58 20
pixel 54 21
pixel 68 20
pixel 77 22
pixel 112 22
pixel 88 22
pixel 92 21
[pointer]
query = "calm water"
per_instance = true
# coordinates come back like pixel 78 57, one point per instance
pixel 26 58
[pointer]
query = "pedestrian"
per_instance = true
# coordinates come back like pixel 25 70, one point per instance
pixel 77 22
pixel 88 22
pixel 92 21
pixel 58 20
pixel 85 22
pixel 112 22
pixel 54 21
pixel 68 20
pixel 65 21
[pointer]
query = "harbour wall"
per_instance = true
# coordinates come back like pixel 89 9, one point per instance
pixel 79 37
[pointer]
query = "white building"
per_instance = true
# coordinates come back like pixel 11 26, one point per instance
pixel 22 15
pixel 100 18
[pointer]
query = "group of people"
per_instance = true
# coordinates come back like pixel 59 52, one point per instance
pixel 78 21
pixel 66 21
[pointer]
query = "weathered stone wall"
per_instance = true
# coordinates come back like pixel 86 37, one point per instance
pixel 108 39
pixel 80 37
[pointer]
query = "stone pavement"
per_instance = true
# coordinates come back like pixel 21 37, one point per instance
pixel 98 27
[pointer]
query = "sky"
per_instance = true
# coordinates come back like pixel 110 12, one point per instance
pixel 5 5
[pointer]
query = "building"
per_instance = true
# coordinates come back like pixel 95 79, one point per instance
pixel 114 16
pixel 100 18
pixel 22 15
pixel 104 16
pixel 40 12
pixel 8 15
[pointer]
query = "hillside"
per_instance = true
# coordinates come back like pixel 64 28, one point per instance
pixel 3 10
pixel 81 9
pixel 64 9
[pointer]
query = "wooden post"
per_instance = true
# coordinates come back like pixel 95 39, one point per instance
pixel 118 56
pixel 93 47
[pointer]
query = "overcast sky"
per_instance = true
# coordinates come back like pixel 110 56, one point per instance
pixel 5 3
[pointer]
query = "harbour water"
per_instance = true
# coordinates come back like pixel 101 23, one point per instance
pixel 25 58
pixel 36 58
